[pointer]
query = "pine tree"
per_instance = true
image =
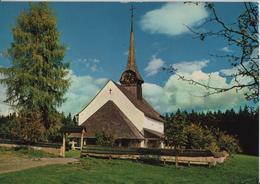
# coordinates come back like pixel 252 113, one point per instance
pixel 174 130
pixel 37 79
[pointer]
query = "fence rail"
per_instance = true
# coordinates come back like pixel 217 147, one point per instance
pixel 187 156
pixel 147 151
pixel 22 142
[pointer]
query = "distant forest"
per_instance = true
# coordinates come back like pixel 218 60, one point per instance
pixel 244 125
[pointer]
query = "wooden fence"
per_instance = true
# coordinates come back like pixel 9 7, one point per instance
pixel 187 156
pixel 53 148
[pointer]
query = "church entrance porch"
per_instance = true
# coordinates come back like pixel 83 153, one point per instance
pixel 79 130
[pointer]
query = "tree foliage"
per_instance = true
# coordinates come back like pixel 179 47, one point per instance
pixel 104 139
pixel 243 34
pixel 68 120
pixel 227 142
pixel 229 130
pixel 174 130
pixel 28 127
pixel 5 125
pixel 200 138
pixel 242 125
pixel 187 131
pixel 36 81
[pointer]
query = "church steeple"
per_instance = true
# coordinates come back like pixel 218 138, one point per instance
pixel 131 65
pixel 131 78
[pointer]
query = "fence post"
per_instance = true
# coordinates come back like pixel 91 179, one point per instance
pixel 64 144
pixel 81 140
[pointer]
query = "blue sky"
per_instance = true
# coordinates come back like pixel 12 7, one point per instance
pixel 97 40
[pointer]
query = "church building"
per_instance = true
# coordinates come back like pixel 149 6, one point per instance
pixel 121 111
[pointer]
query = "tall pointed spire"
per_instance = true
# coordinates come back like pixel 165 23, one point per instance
pixel 131 65
pixel 131 52
pixel 131 78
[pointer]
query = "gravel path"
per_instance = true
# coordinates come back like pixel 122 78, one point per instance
pixel 11 164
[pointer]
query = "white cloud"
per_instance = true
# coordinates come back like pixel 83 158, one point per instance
pixel 176 93
pixel 94 68
pixel 235 69
pixel 225 49
pixel 190 66
pixel 95 60
pixel 154 65
pixel 229 71
pixel 81 91
pixel 240 79
pixel 91 64
pixel 172 18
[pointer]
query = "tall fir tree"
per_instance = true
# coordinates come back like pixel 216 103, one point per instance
pixel 37 79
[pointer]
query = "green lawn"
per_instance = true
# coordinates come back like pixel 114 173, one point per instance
pixel 72 154
pixel 238 169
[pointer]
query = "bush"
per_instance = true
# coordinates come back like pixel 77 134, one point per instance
pixel 200 138
pixel 104 139
pixel 228 143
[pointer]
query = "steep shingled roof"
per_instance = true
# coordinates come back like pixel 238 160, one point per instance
pixel 112 120
pixel 142 105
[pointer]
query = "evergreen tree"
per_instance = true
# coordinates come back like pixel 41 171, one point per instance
pixel 174 130
pixel 36 82
pixel 75 121
pixel 68 121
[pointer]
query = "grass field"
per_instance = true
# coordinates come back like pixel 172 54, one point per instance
pixel 24 152
pixel 16 159
pixel 72 154
pixel 238 169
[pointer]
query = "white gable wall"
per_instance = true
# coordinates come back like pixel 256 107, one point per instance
pixel 153 125
pixel 133 114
